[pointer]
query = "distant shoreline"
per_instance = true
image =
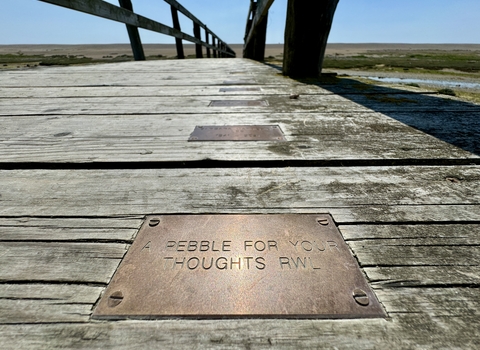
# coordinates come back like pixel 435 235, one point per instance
pixel 100 50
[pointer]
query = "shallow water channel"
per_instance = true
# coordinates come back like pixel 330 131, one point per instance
pixel 429 82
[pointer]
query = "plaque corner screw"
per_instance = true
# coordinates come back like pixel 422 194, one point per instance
pixel 322 221
pixel 115 299
pixel 361 297
pixel 154 222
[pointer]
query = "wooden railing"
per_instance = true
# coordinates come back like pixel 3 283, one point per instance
pixel 124 14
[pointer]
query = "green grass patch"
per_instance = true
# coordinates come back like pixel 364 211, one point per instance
pixel 448 92
pixel 431 61
pixel 55 60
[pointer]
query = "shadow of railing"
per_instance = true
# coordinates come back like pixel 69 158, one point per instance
pixel 447 119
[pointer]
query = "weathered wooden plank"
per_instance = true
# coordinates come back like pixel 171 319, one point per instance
pixel 65 262
pixel 200 104
pixel 46 303
pixel 424 276
pixel 213 91
pixel 279 88
pixel 378 253
pixel 69 229
pixel 435 302
pixel 115 138
pixel 410 331
pixel 358 194
pixel 459 233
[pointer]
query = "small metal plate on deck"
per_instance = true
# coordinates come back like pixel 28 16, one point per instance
pixel 238 103
pixel 239 82
pixel 214 266
pixel 239 89
pixel 237 133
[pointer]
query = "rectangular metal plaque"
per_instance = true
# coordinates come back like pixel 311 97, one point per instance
pixel 239 82
pixel 237 133
pixel 214 266
pixel 238 103
pixel 239 89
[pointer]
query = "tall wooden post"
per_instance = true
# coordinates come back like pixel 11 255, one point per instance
pixel 306 34
pixel 255 49
pixel 176 25
pixel 256 29
pixel 133 34
pixel 198 47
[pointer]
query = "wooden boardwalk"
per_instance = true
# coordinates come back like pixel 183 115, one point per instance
pixel 86 152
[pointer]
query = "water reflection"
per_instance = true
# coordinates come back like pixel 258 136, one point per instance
pixel 436 83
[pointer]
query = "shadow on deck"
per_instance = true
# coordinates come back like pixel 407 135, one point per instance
pixel 450 120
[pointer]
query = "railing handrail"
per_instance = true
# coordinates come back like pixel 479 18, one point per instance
pixel 112 12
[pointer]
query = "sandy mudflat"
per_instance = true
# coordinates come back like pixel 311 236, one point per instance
pixel 168 50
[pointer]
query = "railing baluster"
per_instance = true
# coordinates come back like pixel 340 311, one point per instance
pixel 196 34
pixel 176 25
pixel 207 40
pixel 215 47
pixel 133 34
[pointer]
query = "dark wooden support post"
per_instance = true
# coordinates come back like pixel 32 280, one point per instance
pixel 255 49
pixel 176 25
pixel 196 33
pixel 306 34
pixel 222 47
pixel 214 44
pixel 207 40
pixel 133 34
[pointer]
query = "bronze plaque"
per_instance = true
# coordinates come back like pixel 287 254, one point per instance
pixel 238 103
pixel 237 133
pixel 214 266
pixel 239 82
pixel 239 89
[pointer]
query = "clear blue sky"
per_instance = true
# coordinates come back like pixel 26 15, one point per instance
pixel 356 21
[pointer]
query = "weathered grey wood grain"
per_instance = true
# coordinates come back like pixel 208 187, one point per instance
pixel 362 194
pixel 46 303
pixel 415 253
pixel 458 233
pixel 170 105
pixel 413 229
pixel 414 331
pixel 441 276
pixel 69 229
pixel 59 262
pixel 148 138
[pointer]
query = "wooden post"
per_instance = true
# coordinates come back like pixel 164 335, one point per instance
pixel 256 29
pixel 255 49
pixel 222 47
pixel 306 34
pixel 133 34
pixel 214 44
pixel 207 40
pixel 196 33
pixel 176 25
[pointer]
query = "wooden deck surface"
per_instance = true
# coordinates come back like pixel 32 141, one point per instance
pixel 87 152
